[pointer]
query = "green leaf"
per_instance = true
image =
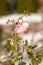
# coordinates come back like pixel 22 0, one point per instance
pixel 26 41
pixel 34 62
pixel 32 47
pixel 22 63
pixel 12 62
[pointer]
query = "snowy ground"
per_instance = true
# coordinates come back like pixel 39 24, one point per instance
pixel 31 17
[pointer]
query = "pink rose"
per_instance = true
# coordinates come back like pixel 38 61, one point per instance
pixel 22 28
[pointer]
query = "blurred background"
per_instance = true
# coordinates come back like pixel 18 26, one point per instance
pixel 18 6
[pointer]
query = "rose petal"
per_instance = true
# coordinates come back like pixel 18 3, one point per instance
pixel 22 29
pixel 17 27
